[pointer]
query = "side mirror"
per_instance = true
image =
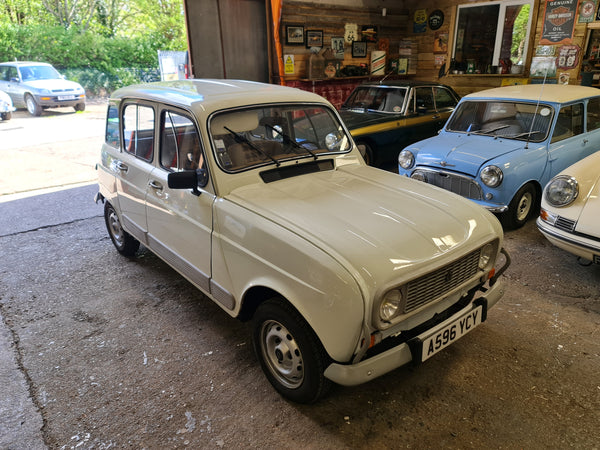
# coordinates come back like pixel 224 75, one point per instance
pixel 14 80
pixel 188 179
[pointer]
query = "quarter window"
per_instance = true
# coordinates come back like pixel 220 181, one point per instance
pixel 138 131
pixel 179 143
pixel 112 136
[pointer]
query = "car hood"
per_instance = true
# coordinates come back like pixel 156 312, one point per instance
pixel 374 222
pixel 462 152
pixel 355 120
pixel 53 85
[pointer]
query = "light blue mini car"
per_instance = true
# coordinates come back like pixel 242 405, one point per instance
pixel 501 146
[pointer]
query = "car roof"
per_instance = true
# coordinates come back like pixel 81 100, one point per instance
pixel 400 83
pixel 24 63
pixel 537 92
pixel 215 94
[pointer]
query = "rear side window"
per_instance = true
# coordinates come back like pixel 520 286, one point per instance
pixel 138 131
pixel 593 114
pixel 113 135
pixel 443 98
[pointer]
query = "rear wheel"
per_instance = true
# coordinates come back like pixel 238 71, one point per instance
pixel 125 243
pixel 32 106
pixel 520 208
pixel 289 352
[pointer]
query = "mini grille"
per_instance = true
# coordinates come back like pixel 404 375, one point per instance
pixel 460 185
pixel 434 285
pixel 565 224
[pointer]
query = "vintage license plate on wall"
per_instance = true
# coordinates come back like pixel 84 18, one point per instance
pixel 442 338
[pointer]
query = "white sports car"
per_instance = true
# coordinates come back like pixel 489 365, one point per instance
pixel 571 207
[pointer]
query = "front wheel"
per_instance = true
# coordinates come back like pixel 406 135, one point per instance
pixel 32 106
pixel 289 353
pixel 125 243
pixel 520 208
pixel 79 107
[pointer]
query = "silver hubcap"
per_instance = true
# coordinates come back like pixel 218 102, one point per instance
pixel 524 206
pixel 115 228
pixel 282 354
pixel 30 105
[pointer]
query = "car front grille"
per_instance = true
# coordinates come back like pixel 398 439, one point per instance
pixel 430 287
pixel 565 224
pixel 461 185
pixel 58 91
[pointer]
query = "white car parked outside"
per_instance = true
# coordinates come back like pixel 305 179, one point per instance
pixel 257 194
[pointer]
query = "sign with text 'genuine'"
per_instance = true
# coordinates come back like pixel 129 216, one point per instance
pixel 559 20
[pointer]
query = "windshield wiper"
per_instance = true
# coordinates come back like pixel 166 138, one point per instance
pixel 488 132
pixel 288 140
pixel 240 139
pixel 526 133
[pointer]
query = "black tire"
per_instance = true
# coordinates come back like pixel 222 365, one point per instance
pixel 520 208
pixel 368 153
pixel 289 352
pixel 79 107
pixel 32 106
pixel 6 115
pixel 125 243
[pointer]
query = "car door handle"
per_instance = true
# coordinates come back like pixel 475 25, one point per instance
pixel 585 141
pixel 121 166
pixel 155 185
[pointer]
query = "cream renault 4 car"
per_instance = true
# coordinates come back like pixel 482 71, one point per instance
pixel 257 195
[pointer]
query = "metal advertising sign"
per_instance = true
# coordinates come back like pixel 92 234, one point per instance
pixel 559 20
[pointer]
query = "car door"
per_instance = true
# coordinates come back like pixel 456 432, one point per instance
pixel 428 120
pixel 570 142
pixel 180 220
pixel 12 86
pixel 135 165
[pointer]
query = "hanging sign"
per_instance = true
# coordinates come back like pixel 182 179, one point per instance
pixel 436 19
pixel 559 20
pixel 289 64
pixel 587 10
pixel 420 21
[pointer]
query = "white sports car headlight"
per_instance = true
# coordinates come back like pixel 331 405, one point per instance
pixel 561 191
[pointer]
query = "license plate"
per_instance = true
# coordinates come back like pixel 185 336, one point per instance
pixel 597 259
pixel 66 97
pixel 451 333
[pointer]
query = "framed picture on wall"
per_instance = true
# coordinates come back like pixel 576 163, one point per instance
pixel 314 38
pixel 294 34
pixel 359 49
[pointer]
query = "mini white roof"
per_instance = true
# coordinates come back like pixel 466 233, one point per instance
pixel 544 92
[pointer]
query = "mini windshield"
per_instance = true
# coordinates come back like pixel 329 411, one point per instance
pixel 508 119
pixel 252 137
pixel 377 98
pixel 31 73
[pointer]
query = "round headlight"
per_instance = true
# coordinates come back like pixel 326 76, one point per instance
pixel 491 176
pixel 406 159
pixel 561 191
pixel 486 255
pixel 390 306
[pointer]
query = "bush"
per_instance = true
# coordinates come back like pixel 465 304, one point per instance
pixel 98 63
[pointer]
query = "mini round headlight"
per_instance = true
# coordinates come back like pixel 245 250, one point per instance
pixel 561 191
pixel 491 176
pixel 406 159
pixel 390 306
pixel 486 255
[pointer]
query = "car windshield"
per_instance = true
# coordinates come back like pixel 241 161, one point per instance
pixel 376 98
pixel 272 134
pixel 31 73
pixel 508 119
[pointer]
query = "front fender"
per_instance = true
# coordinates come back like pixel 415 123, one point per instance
pixel 250 250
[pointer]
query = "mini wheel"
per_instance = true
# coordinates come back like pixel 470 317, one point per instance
pixel 520 207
